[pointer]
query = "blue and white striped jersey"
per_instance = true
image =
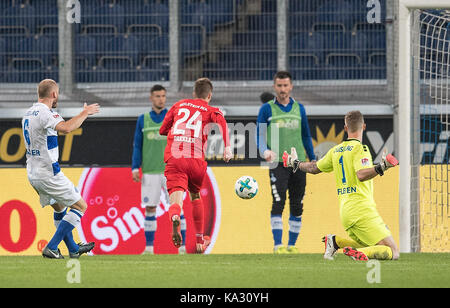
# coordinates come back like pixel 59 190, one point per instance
pixel 41 141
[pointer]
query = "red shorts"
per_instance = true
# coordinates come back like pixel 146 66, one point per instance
pixel 185 174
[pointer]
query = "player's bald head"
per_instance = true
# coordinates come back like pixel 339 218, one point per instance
pixel 354 121
pixel 46 87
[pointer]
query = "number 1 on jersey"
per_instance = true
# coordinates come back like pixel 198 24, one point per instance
pixel 341 162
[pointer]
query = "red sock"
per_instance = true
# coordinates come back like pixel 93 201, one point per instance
pixel 174 209
pixel 197 214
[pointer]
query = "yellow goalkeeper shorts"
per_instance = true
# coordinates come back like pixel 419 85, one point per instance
pixel 369 231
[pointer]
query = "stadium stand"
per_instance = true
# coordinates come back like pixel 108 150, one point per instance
pixel 224 40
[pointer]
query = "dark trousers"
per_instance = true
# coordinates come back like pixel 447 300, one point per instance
pixel 283 180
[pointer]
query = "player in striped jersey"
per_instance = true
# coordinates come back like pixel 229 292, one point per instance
pixel 41 125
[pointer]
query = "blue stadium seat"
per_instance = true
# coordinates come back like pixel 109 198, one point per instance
pixel 335 42
pixel 154 68
pixel 303 66
pixel 46 13
pixel 159 46
pixel 305 42
pixel 145 29
pixel 262 23
pixel 335 12
pixel 377 59
pixel 300 21
pixel 153 13
pixel 255 40
pixel 48 30
pixel 224 11
pixel 46 47
pixel 98 29
pixel 86 49
pixel 19 16
pixel 123 45
pixel 27 64
pixel 115 63
pixel 109 15
pixel 192 44
pixel 249 59
pixel 305 5
pixel 359 44
pixel 202 14
pixel 343 66
pixel 3 55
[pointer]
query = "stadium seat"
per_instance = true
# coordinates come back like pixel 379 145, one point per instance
pixel 3 54
pixel 306 42
pixel 343 66
pixel 359 44
pixel 158 46
pixel 192 44
pixel 123 45
pixel 146 29
pixel 223 11
pixel 98 29
pixel 262 23
pixel 48 30
pixel 27 64
pixel 202 14
pixel 300 22
pixel 255 40
pixel 304 66
pixel 109 14
pixel 377 59
pixel 46 13
pixel 335 12
pixel 153 13
pixel 304 6
pixel 19 16
pixel 115 63
pixel 336 41
pixel 86 49
pixel 154 68
pixel 46 47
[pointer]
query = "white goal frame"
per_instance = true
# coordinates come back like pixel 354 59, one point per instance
pixel 405 110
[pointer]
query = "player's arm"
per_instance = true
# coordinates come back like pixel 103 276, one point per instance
pixel 223 127
pixel 166 126
pixel 136 159
pixel 306 135
pixel 66 127
pixel 262 124
pixel 291 160
pixel 387 161
pixel 308 167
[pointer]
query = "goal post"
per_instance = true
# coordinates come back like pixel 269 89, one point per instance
pixel 408 100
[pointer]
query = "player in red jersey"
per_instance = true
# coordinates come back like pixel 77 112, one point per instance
pixel 187 125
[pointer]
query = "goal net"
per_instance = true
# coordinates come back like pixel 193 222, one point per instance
pixel 424 195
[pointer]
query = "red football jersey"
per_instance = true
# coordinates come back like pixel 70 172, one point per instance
pixel 187 127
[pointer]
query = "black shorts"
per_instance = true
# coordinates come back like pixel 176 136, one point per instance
pixel 282 180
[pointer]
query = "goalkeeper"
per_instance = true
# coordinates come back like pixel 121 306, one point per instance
pixel 354 171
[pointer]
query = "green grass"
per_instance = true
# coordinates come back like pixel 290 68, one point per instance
pixel 226 271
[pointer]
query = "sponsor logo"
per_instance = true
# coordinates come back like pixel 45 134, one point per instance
pixel 115 219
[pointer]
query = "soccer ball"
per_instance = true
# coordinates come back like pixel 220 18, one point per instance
pixel 246 187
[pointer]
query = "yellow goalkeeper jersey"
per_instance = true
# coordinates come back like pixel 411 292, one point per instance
pixel 355 197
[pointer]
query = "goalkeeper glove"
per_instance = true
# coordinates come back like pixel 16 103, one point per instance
pixel 291 160
pixel 387 161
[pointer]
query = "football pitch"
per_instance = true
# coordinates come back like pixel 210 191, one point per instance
pixel 225 271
